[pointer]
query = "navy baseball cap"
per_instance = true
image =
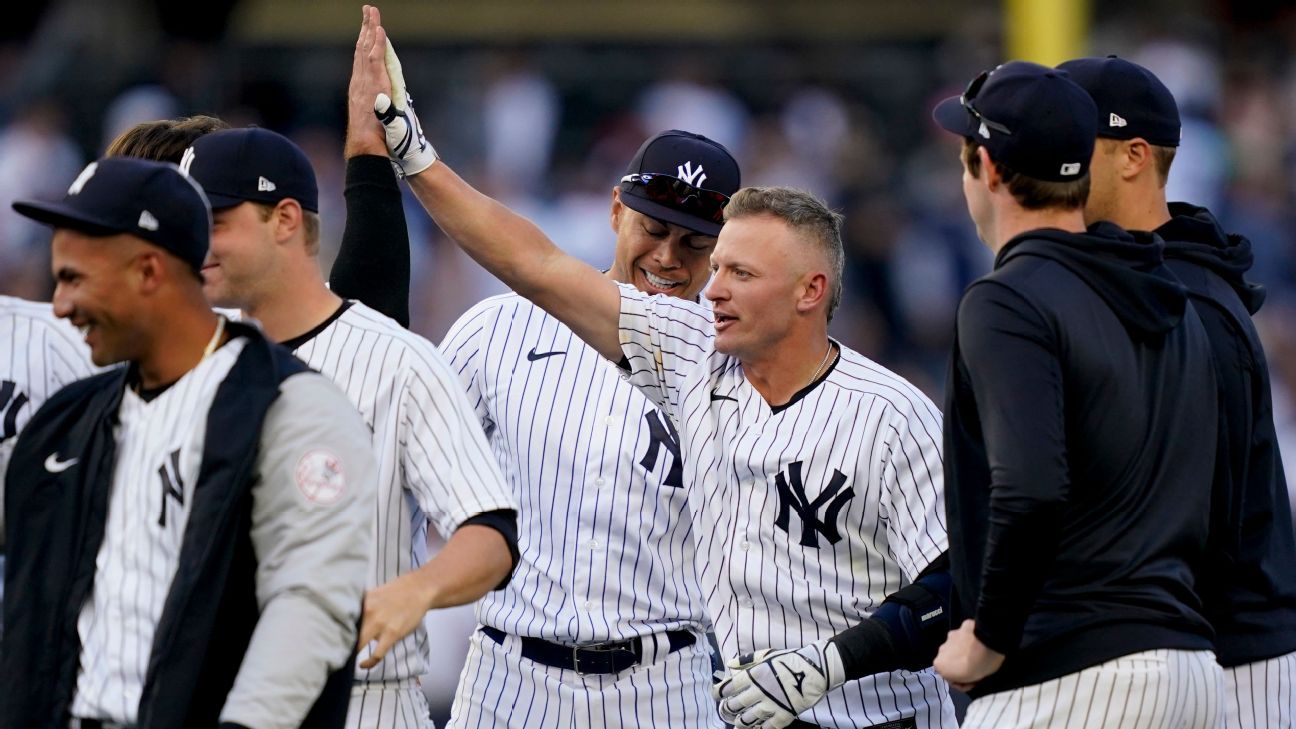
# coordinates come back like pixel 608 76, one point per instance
pixel 151 200
pixel 1030 117
pixel 251 165
pixel 681 178
pixel 1132 101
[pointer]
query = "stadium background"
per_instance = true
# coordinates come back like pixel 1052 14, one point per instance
pixel 542 102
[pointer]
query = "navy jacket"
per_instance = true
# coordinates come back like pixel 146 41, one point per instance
pixel 1250 592
pixel 1080 434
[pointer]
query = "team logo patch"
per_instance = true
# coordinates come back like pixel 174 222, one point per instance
pixel 320 477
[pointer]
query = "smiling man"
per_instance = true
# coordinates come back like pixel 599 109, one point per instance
pixel 813 475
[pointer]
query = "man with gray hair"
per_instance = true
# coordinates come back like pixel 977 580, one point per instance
pixel 814 475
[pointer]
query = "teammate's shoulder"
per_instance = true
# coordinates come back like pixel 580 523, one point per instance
pixel 506 304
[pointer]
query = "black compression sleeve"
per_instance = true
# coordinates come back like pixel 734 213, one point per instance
pixel 503 521
pixel 373 262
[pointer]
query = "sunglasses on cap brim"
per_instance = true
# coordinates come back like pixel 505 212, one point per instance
pixel 680 195
pixel 970 94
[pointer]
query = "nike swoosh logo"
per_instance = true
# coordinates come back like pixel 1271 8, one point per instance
pixel 54 465
pixel 532 356
pixel 715 397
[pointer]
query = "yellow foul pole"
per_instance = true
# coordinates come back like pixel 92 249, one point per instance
pixel 1046 31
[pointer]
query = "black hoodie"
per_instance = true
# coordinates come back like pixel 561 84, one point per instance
pixel 1079 446
pixel 1251 589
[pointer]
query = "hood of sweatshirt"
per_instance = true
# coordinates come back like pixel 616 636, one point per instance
pixel 1125 268
pixel 1194 235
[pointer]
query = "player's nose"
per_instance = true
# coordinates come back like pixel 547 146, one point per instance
pixel 62 301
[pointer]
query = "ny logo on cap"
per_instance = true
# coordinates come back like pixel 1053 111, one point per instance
pixel 186 161
pixel 1070 168
pixel 1115 120
pixel 264 185
pixel 83 178
pixel 147 221
pixel 690 175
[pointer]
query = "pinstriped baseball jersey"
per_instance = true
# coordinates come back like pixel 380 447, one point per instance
pixel 604 529
pixel 808 514
pixel 433 462
pixel 42 353
pixel 159 453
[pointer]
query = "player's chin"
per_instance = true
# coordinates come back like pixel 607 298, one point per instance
pixel 727 342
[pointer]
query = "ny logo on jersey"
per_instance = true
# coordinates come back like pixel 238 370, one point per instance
pixel 172 486
pixel 661 432
pixel 11 401
pixel 792 497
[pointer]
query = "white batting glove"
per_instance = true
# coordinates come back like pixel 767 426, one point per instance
pixel 409 150
pixel 770 688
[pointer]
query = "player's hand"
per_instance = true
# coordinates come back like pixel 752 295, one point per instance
pixel 408 148
pixel 964 660
pixel 365 135
pixel 391 612
pixel 771 688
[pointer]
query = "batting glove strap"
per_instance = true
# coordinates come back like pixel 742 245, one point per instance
pixel 409 150
pixel 771 688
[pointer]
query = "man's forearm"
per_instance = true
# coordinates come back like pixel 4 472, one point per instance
pixel 473 562
pixel 517 252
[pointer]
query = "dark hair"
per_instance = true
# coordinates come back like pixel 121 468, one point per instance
pixel 1029 192
pixel 164 140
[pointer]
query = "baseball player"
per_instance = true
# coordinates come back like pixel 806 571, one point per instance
pixel 1080 438
pixel 44 355
pixel 161 577
pixel 433 461
pixel 813 475
pixel 1250 593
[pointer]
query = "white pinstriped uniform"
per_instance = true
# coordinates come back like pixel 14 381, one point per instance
pixel 159 453
pixel 433 465
pixel 1156 689
pixel 808 517
pixel 604 532
pixel 41 354
pixel 1261 695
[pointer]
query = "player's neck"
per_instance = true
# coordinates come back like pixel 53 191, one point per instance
pixel 187 334
pixel 785 369
pixel 1147 211
pixel 298 304
pixel 1013 220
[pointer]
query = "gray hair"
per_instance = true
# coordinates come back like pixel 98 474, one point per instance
pixel 805 213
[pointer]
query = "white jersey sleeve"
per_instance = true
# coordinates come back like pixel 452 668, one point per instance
pixel 448 465
pixel 312 529
pixel 663 339
pixel 913 481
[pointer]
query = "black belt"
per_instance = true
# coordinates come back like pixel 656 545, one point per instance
pixel 613 657
pixel 909 723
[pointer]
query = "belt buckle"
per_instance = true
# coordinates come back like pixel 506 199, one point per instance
pixel 605 648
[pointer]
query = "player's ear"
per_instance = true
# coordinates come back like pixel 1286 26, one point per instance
pixel 618 209
pixel 288 220
pixel 989 172
pixel 1136 156
pixel 813 291
pixel 148 270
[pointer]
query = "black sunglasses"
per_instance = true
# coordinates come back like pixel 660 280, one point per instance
pixel 678 194
pixel 970 93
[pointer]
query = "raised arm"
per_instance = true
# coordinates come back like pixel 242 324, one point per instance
pixel 373 262
pixel 505 243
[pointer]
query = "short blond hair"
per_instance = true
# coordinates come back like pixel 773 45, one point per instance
pixel 805 213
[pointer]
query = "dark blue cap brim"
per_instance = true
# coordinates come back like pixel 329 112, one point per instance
pixel 219 201
pixel 668 214
pixel 61 215
pixel 952 117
